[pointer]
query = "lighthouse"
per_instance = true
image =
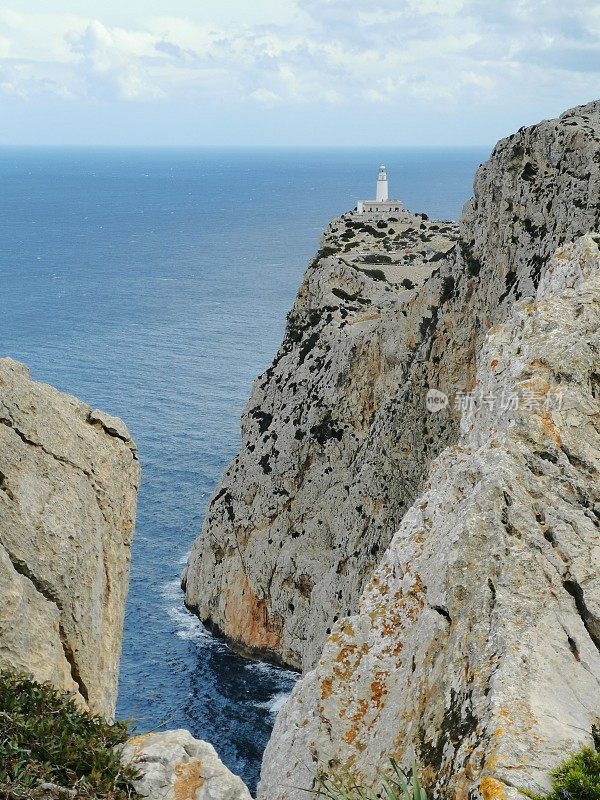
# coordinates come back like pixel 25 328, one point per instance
pixel 382 194
pixel 382 205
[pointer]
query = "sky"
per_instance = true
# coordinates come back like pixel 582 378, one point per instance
pixel 291 72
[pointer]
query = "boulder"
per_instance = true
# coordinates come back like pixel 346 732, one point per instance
pixel 175 766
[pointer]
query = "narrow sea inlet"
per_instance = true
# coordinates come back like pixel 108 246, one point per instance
pixel 154 284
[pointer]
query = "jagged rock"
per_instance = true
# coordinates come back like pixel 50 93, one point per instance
pixel 68 483
pixel 175 766
pixel 476 645
pixel 336 437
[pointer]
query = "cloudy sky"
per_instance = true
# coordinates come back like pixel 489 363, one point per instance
pixel 293 72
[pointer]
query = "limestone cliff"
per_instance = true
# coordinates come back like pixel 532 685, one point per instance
pixel 322 478
pixel 336 438
pixel 476 644
pixel 68 483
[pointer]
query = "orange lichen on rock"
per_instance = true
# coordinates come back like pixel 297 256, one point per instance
pixel 248 618
pixel 379 688
pixel 138 742
pixel 350 736
pixel 326 688
pixel 491 789
pixel 348 660
pixel 188 781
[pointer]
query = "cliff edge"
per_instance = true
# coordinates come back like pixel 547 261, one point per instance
pixel 68 484
pixel 305 510
pixel 336 437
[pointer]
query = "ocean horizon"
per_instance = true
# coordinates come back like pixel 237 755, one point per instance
pixel 154 283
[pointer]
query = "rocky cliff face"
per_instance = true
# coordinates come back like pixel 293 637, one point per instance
pixel 303 512
pixel 336 436
pixel 476 645
pixel 68 483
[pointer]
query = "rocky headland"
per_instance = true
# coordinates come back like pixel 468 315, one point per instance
pixel 305 510
pixel 336 436
pixel 469 638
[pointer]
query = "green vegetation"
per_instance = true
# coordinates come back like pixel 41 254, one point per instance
pixel 395 785
pixel 377 258
pixel 324 252
pixel 577 778
pixel 376 274
pixel 46 738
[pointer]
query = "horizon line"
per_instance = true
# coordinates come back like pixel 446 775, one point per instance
pixel 139 145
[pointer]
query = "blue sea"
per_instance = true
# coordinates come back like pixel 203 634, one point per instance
pixel 154 284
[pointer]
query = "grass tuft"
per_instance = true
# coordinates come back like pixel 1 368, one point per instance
pixel 394 785
pixel 45 738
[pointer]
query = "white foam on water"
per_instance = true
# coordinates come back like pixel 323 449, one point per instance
pixel 273 672
pixel 275 703
pixel 187 624
pixel 264 667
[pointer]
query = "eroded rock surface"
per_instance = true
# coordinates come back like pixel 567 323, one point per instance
pixel 476 644
pixel 68 483
pixel 175 766
pixel 336 438
pixel 303 510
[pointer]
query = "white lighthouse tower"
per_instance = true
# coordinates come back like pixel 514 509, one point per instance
pixel 382 205
pixel 382 194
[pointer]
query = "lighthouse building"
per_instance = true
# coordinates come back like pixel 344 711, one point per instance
pixel 382 204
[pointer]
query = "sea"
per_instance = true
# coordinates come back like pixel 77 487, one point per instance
pixel 154 284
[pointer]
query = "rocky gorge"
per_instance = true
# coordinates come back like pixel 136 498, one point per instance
pixel 69 476
pixel 432 570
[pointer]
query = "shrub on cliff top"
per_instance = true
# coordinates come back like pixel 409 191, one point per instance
pixel 46 738
pixel 577 778
pixel 395 785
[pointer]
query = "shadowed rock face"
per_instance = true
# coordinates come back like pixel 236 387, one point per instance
pixel 336 439
pixel 476 644
pixel 68 484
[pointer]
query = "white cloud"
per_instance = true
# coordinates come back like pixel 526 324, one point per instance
pixel 117 60
pixel 299 52
pixel 38 37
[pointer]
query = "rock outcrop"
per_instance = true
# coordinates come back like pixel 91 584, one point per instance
pixel 68 483
pixel 476 645
pixel 175 766
pixel 336 437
